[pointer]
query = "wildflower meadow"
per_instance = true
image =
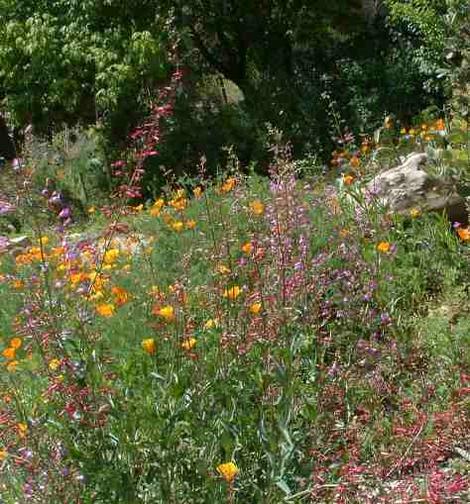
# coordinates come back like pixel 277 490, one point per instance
pixel 234 252
pixel 247 339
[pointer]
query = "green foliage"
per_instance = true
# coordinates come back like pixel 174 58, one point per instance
pixel 77 61
pixel 458 56
pixel 434 31
pixel 422 25
pixel 75 160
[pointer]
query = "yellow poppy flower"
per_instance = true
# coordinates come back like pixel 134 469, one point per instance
pixel 464 233
pixel 257 207
pixel 188 344
pixel 211 323
pixel 111 256
pixel 222 269
pixel 415 212
pixel 167 312
pixel 354 161
pixel 246 247
pixel 233 292
pixel 149 346
pixel 179 202
pixel 54 364
pixel 78 277
pixel 348 179
pixel 228 471
pixel 255 308
pixel 106 309
pixel 16 343
pixel 384 247
pixel 177 226
pixel 156 208
pixel 440 125
pixel 120 294
pixel 228 185
pixel 9 353
pixel 17 284
pixel 11 366
pixel 22 429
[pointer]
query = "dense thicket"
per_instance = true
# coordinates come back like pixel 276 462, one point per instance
pixel 306 68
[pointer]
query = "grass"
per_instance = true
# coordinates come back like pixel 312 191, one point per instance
pixel 245 340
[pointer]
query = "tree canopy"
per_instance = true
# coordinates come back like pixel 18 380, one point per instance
pixel 297 64
pixel 69 60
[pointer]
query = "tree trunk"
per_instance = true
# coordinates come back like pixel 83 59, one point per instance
pixel 7 146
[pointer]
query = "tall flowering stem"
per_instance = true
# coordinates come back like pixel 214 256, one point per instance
pixel 145 139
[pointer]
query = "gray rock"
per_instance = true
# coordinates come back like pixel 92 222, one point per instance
pixel 409 186
pixel 14 246
pixel 20 242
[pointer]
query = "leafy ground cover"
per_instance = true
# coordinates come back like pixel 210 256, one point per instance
pixel 243 340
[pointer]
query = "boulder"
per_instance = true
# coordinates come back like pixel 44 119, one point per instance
pixel 18 245
pixel 410 186
pixel 22 242
pixel 14 246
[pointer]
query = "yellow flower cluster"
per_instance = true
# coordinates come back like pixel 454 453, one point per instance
pixel 247 247
pixel 463 233
pixel 188 344
pixel 81 271
pixel 167 312
pixel 228 185
pixel 179 202
pixel 211 324
pixel 33 254
pixel 9 353
pixel 348 179
pixel 228 471
pixel 232 293
pixel 427 131
pixel 156 208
